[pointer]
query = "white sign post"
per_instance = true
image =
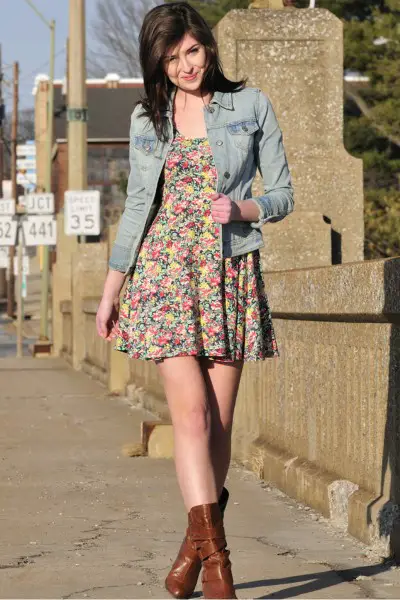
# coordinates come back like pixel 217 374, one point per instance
pixel 82 212
pixel 4 257
pixel 25 265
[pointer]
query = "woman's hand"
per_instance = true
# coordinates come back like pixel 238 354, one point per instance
pixel 107 318
pixel 223 209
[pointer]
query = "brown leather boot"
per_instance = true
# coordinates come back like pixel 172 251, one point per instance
pixel 182 579
pixel 206 529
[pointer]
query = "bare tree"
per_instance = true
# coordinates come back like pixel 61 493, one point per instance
pixel 115 30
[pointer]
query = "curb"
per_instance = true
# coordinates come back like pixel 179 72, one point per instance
pixel 372 520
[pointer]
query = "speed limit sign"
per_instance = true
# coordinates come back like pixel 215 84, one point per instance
pixel 82 212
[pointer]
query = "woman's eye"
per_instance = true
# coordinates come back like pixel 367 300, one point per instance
pixel 194 50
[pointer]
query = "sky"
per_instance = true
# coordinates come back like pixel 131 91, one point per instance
pixel 26 39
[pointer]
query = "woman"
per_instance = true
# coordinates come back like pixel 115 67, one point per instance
pixel 189 242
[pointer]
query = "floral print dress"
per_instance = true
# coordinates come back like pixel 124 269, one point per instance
pixel 183 297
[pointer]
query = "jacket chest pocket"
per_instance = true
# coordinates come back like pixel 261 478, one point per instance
pixel 146 147
pixel 242 133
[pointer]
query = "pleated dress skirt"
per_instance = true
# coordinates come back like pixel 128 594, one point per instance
pixel 184 298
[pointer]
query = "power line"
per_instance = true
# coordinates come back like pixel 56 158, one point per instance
pixel 42 65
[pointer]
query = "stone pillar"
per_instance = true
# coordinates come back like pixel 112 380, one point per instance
pixel 302 240
pixel 296 58
pixel 89 267
pixel 62 285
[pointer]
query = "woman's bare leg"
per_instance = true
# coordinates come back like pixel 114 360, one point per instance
pixel 222 383
pixel 186 394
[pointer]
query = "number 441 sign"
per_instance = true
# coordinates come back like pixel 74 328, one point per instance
pixel 82 212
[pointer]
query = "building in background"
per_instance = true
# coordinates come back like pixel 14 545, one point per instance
pixel 110 104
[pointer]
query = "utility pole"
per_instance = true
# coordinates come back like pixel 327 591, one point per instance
pixel 44 304
pixel 77 113
pixel 43 345
pixel 14 134
pixel 3 281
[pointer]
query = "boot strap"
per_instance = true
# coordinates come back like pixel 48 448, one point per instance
pixel 218 571
pixel 208 547
pixel 201 533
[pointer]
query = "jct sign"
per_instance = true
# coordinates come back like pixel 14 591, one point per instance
pixel 82 212
pixel 38 204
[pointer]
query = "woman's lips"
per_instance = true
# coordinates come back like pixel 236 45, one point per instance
pixel 190 77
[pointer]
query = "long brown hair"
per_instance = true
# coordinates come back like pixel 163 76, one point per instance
pixel 163 27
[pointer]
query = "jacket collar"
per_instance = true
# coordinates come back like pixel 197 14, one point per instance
pixel 224 99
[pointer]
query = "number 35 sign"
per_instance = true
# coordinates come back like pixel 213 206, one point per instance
pixel 82 212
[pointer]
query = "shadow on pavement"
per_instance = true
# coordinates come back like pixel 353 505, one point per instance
pixel 315 581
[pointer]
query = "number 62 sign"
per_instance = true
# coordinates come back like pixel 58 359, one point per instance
pixel 82 212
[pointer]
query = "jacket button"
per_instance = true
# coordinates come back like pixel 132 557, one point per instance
pixel 245 128
pixel 227 174
pixel 211 109
pixel 219 142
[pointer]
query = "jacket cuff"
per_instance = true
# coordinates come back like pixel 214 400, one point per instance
pixel 266 212
pixel 119 258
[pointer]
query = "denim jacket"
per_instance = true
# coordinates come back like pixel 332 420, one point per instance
pixel 244 135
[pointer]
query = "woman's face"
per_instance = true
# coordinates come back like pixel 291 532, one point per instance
pixel 185 64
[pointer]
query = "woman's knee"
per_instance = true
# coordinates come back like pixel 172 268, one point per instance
pixel 194 420
pixel 186 394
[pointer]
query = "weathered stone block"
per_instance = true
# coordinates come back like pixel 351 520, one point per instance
pixel 161 442
pixel 89 268
pixel 296 58
pixel 302 240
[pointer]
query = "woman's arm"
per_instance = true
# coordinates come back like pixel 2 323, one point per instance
pixel 131 219
pixel 245 210
pixel 108 311
pixel 113 285
pixel 277 200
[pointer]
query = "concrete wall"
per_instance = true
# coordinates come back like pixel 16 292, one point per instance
pixel 322 421
pixel 323 418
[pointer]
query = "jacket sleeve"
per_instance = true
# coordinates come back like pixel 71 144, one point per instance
pixel 277 201
pixel 130 225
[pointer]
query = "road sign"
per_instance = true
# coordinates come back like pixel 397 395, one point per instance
pixel 40 230
pixel 4 257
pixel 7 207
pixel 26 178
pixel 25 265
pixel 82 212
pixel 8 231
pixel 38 204
pixel 26 163
pixel 26 150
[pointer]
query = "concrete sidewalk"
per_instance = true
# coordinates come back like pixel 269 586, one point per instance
pixel 80 520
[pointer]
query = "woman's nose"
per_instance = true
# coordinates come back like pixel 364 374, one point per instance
pixel 185 65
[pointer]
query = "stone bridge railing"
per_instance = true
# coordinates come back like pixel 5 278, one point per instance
pixel 322 421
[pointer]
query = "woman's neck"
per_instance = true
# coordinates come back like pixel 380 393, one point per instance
pixel 188 100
